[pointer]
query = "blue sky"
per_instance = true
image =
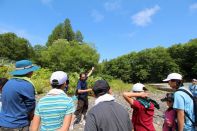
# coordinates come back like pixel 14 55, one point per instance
pixel 115 27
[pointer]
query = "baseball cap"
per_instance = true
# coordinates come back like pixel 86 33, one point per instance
pixel 58 78
pixel 168 97
pixel 173 76
pixel 138 87
pixel 100 87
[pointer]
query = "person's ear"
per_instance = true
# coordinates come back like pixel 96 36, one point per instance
pixel 110 91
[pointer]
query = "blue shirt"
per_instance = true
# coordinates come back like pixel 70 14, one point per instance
pixel 18 99
pixel 0 102
pixel 184 102
pixel 52 110
pixel 82 85
pixel 193 89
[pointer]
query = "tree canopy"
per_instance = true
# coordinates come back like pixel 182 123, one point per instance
pixel 14 47
pixel 64 31
pixel 69 56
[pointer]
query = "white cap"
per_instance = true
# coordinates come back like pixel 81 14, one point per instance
pixel 194 80
pixel 173 76
pixel 58 78
pixel 138 87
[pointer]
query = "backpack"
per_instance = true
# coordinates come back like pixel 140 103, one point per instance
pixel 194 98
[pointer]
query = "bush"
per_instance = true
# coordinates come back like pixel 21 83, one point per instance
pixel 41 81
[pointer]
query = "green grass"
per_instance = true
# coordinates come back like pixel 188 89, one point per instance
pixel 152 89
pixel 119 86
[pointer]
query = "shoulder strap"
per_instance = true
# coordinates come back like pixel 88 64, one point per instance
pixel 187 92
pixel 193 102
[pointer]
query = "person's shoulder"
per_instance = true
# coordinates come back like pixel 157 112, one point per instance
pixel 136 103
pixel 182 93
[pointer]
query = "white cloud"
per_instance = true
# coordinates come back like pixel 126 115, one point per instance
pixel 112 5
pixel 143 17
pixel 97 16
pixel 33 39
pixel 193 7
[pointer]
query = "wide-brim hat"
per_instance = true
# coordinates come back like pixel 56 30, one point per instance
pixel 24 67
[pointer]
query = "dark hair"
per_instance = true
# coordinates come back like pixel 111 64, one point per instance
pixel 2 82
pixel 179 83
pixel 100 88
pixel 55 84
pixel 83 73
pixel 100 93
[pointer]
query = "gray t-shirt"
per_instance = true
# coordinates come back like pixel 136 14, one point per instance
pixel 108 116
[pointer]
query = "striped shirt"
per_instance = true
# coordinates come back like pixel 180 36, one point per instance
pixel 52 109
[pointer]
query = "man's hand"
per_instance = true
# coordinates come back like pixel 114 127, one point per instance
pixel 89 90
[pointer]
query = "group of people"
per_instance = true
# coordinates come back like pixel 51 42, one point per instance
pixel 56 111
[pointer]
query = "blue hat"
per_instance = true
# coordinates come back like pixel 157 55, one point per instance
pixel 23 67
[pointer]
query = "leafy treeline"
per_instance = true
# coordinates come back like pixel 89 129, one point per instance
pixel 153 65
pixel 64 50
pixel 14 47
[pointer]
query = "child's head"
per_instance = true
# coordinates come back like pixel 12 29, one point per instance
pixel 169 99
pixel 2 82
pixel 138 87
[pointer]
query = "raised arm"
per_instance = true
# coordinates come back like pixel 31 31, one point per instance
pixel 90 72
pixel 128 96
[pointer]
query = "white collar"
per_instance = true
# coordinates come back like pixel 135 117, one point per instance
pixel 56 92
pixel 106 97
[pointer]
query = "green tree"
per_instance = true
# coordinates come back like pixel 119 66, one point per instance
pixel 38 49
pixel 64 31
pixel 68 32
pixel 149 65
pixel 57 33
pixel 79 36
pixel 14 47
pixel 69 56
pixel 185 56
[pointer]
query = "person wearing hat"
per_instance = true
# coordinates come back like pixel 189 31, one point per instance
pixel 54 111
pixel 106 115
pixel 18 98
pixel 143 108
pixel 170 114
pixel 183 104
pixel 193 87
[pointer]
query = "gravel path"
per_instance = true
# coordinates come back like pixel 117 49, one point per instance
pixel 158 116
